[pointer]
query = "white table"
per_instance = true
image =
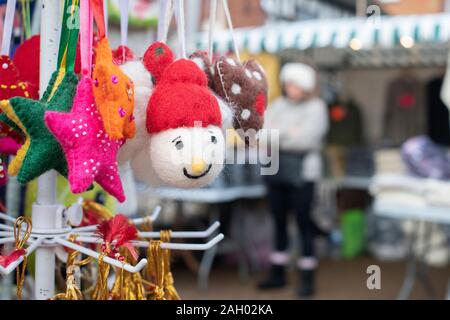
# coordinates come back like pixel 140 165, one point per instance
pixel 422 213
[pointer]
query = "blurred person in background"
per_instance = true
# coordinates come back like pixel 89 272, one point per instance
pixel 302 120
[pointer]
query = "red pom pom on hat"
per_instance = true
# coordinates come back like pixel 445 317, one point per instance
pixel 156 58
pixel 182 99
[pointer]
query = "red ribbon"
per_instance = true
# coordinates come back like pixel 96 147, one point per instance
pixel 99 16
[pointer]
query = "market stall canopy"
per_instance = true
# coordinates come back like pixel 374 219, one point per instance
pixel 357 33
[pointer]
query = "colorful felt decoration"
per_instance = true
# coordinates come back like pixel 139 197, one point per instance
pixel 26 59
pixel 10 83
pixel 40 151
pixel 9 146
pixel 186 146
pixel 114 94
pixel 90 152
pixel 241 89
pixel 117 232
pixel 122 54
pixel 244 88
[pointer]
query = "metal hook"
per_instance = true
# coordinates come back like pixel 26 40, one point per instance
pixel 13 265
pixel 128 267
pixel 138 221
pixel 183 234
pixel 164 245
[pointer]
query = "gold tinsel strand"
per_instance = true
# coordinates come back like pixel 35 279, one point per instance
pixel 100 291
pixel 20 242
pixel 156 264
pixel 169 288
pixel 127 286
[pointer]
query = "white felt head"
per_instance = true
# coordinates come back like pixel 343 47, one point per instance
pixel 137 72
pixel 142 169
pixel 143 87
pixel 187 157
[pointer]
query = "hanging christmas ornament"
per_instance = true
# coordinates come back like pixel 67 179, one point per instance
pixel 40 151
pixel 26 56
pixel 90 152
pixel 113 90
pixel 9 146
pixel 184 122
pixel 122 54
pixel 26 60
pixel 116 233
pixel 11 84
pixel 244 88
pixel 241 87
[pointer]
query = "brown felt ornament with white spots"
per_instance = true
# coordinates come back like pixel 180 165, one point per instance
pixel 244 88
pixel 241 87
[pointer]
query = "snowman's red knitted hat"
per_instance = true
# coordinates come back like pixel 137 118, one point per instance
pixel 181 97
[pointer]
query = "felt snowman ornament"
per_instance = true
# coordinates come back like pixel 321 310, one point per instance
pixel 186 146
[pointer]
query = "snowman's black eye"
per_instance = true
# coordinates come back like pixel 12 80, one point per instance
pixel 179 145
pixel 213 139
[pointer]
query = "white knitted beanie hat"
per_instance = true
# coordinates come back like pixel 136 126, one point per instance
pixel 299 74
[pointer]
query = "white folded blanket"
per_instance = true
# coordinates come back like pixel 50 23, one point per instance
pixel 433 192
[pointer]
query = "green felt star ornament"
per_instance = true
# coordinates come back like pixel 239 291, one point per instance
pixel 40 152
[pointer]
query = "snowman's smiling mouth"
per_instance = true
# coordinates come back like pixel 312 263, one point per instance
pixel 190 176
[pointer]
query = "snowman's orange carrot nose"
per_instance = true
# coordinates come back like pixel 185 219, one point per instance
pixel 198 165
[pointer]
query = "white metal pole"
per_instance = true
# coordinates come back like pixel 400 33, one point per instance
pixel 44 210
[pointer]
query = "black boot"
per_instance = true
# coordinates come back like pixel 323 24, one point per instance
pixel 276 278
pixel 306 288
